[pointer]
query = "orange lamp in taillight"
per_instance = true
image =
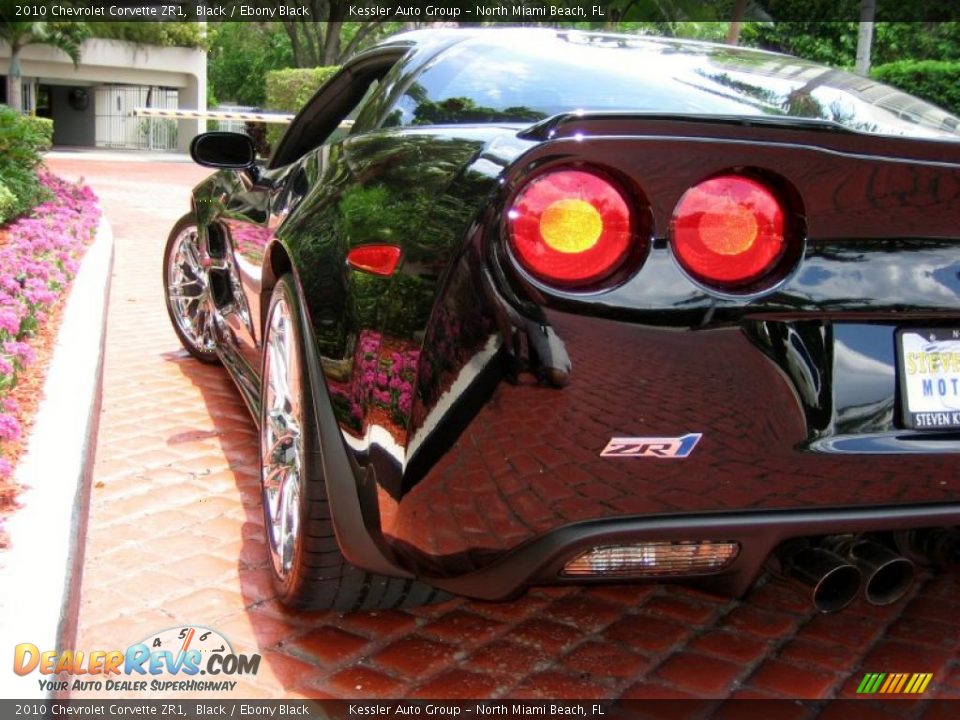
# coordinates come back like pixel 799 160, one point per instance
pixel 570 227
pixel 729 231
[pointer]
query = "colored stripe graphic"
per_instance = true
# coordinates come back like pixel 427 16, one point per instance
pixel 891 681
pixel 894 683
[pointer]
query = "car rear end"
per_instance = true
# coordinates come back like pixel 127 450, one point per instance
pixel 683 340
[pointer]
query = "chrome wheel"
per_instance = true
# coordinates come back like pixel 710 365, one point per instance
pixel 281 438
pixel 188 295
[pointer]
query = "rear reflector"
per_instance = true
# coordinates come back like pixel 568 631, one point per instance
pixel 570 227
pixel 653 559
pixel 729 231
pixel 375 259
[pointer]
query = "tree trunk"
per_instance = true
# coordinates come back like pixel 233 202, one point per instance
pixel 868 10
pixel 15 80
pixel 331 43
pixel 736 20
pixel 362 32
pixel 291 28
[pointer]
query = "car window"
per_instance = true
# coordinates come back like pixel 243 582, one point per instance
pixel 346 125
pixel 328 115
pixel 483 81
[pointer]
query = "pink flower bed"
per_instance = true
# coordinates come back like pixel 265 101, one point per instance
pixel 39 255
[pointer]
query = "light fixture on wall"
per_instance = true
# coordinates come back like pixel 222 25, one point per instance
pixel 78 98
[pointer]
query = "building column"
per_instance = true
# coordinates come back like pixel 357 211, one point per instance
pixel 192 97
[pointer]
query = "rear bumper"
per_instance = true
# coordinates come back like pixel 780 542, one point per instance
pixel 798 428
pixel 541 561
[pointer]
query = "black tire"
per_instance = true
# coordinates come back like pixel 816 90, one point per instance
pixel 203 348
pixel 312 574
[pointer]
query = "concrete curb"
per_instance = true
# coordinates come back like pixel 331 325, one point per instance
pixel 42 568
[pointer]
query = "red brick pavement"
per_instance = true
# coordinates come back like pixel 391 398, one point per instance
pixel 175 538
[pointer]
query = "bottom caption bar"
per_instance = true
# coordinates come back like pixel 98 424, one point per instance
pixel 431 709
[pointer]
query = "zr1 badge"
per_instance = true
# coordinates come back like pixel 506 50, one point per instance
pixel 655 447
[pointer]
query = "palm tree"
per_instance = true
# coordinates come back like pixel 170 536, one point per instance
pixel 64 36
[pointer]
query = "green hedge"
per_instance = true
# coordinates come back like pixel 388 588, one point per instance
pixel 22 139
pixel 937 81
pixel 8 203
pixel 288 91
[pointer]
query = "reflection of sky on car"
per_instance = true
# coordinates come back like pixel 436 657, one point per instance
pixel 862 359
pixel 565 77
pixel 888 279
pixel 844 106
pixel 550 75
pixel 874 118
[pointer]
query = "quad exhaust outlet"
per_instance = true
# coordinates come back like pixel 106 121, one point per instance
pixel 834 582
pixel 836 568
pixel 887 575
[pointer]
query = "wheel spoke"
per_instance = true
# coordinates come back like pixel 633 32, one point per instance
pixel 203 319
pixel 180 291
pixel 289 510
pixel 190 250
pixel 281 448
pixel 187 292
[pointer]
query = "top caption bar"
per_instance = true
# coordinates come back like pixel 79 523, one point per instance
pixel 604 12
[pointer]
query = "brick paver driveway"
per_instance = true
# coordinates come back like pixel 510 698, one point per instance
pixel 175 538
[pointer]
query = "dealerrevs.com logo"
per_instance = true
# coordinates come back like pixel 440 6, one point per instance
pixel 168 661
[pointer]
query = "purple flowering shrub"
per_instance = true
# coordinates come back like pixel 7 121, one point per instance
pixel 38 258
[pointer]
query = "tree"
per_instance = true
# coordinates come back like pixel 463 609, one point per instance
pixel 322 36
pixel 868 11
pixel 736 20
pixel 64 36
pixel 239 77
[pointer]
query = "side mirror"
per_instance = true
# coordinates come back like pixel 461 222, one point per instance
pixel 224 150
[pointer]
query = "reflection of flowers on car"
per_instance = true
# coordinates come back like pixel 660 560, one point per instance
pixel 381 381
pixel 454 337
pixel 250 240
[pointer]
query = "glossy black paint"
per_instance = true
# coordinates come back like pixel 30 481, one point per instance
pixel 472 401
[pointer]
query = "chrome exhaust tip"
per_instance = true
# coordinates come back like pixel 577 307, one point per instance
pixel 834 581
pixel 888 574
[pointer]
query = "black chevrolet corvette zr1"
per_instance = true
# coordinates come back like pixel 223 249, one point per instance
pixel 529 306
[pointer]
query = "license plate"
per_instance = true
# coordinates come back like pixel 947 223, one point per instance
pixel 930 378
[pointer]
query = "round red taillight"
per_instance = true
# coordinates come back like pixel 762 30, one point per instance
pixel 570 227
pixel 729 231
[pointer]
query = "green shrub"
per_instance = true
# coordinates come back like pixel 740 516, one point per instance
pixel 288 91
pixel 22 139
pixel 164 34
pixel 937 81
pixel 8 203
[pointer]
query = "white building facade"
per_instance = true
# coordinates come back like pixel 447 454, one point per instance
pixel 91 104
